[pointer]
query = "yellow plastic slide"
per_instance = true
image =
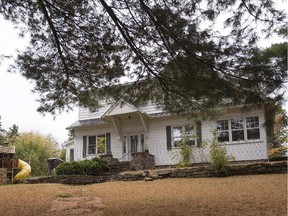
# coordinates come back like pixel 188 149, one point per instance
pixel 25 170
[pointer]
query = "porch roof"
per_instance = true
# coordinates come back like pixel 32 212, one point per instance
pixel 87 122
pixel 121 108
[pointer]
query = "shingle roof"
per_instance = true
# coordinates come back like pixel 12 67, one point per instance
pixel 87 122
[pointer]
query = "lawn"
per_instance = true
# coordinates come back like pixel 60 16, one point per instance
pixel 238 195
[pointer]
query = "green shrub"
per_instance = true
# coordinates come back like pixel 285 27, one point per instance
pixel 86 167
pixel 219 158
pixel 93 166
pixel 69 168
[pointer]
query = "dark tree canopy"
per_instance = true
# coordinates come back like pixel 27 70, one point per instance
pixel 184 55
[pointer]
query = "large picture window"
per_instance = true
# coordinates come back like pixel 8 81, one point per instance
pixel 185 133
pixel 238 129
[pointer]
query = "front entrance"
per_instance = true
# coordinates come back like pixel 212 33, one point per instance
pixel 131 144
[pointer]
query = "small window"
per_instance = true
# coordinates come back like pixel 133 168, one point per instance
pixel 71 154
pixel 124 146
pixel 84 150
pixel 142 142
pixel 92 145
pixel 223 131
pixel 237 128
pixel 253 131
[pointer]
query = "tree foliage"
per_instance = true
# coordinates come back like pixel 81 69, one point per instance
pixel 280 129
pixel 35 148
pixel 195 53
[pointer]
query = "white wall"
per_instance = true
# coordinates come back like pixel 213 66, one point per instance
pixel 156 138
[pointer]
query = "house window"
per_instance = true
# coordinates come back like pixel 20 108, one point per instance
pixel 101 140
pixel 124 144
pixel 142 142
pixel 252 125
pixel 96 144
pixel 84 150
pixel 71 154
pixel 238 129
pixel 91 145
pixel 223 131
pixel 185 133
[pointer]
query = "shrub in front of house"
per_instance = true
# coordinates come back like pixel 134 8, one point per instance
pixel 94 166
pixel 69 168
pixel 87 167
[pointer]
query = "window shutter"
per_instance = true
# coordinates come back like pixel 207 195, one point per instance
pixel 108 143
pixel 84 150
pixel 168 136
pixel 199 133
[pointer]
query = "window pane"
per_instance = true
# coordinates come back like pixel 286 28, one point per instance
pixel 222 125
pixel 253 134
pixel 71 155
pixel 252 122
pixel 177 131
pixel 142 142
pixel 237 135
pixel 223 136
pixel 237 124
pixel 92 145
pixel 101 144
pixel 222 131
pixel 84 151
pixel 253 131
pixel 124 145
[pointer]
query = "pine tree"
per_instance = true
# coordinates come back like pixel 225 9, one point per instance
pixel 182 54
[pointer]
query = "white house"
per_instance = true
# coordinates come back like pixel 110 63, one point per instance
pixel 121 129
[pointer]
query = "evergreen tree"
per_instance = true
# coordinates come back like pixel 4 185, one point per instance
pixel 13 131
pixel 183 54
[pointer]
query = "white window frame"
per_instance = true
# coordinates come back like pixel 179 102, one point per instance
pixel 96 145
pixel 192 134
pixel 245 129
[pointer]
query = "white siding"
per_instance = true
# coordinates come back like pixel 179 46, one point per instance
pixel 69 145
pixel 84 113
pixel 155 138
pixel 249 150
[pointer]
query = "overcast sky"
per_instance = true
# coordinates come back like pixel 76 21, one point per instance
pixel 17 103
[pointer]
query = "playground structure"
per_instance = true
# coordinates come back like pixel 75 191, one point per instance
pixel 9 164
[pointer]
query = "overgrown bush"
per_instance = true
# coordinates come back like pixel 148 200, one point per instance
pixel 94 166
pixel 218 156
pixel 87 167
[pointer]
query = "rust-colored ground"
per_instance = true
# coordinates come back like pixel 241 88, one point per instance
pixel 241 195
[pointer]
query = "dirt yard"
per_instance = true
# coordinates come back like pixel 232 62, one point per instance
pixel 241 195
